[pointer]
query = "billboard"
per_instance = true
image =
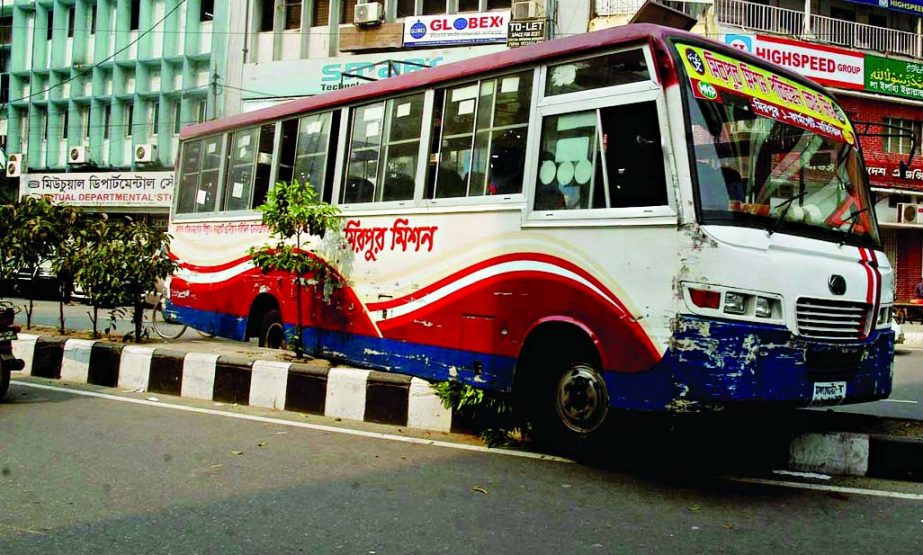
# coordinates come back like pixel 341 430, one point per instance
pixel 827 65
pixel 456 29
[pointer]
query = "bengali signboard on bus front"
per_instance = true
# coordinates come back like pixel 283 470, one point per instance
pixel 102 189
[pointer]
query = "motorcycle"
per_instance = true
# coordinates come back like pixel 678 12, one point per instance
pixel 8 333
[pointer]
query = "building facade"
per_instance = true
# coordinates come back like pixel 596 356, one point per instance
pixel 98 91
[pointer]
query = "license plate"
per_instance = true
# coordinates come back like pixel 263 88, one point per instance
pixel 828 393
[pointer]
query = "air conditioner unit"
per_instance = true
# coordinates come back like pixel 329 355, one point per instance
pixel 908 213
pixel 77 155
pixel 15 164
pixel 369 13
pixel 530 9
pixel 145 153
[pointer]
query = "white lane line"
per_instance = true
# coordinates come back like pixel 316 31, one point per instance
pixel 899 401
pixel 305 425
pixel 836 489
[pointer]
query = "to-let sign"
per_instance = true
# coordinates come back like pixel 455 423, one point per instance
pixel 835 67
pixel 464 28
pixel 524 32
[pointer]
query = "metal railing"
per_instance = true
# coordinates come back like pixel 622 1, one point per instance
pixel 760 17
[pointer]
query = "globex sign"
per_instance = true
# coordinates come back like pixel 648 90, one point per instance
pixel 467 28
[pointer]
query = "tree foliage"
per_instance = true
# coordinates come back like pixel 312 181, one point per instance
pixel 122 263
pixel 293 210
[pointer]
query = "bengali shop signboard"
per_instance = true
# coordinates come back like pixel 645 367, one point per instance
pixel 893 77
pixel 827 65
pixel 102 189
pixel 467 28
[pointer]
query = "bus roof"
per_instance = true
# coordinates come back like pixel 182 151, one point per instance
pixel 509 59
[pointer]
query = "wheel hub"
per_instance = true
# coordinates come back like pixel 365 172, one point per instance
pixel 581 400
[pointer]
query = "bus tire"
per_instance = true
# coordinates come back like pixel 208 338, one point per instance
pixel 272 332
pixel 568 402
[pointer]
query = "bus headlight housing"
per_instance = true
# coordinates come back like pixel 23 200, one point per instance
pixel 735 303
pixel 763 307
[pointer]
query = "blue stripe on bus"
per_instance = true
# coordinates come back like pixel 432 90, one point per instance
pixel 710 362
pixel 424 361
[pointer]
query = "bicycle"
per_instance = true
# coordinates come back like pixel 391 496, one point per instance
pixel 164 324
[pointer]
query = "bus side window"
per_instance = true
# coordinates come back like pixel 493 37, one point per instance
pixel 483 128
pixel 287 146
pixel 189 177
pixel 263 164
pixel 634 157
pixel 207 193
pixel 364 150
pixel 617 165
pixel 240 173
pixel 311 151
pixel 402 148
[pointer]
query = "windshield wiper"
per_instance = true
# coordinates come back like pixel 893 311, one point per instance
pixel 785 206
pixel 852 219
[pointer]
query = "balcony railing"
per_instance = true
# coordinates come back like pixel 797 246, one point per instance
pixel 760 17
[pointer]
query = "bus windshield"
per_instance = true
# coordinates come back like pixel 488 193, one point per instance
pixel 769 159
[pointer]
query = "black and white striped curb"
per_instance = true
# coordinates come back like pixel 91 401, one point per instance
pixel 339 392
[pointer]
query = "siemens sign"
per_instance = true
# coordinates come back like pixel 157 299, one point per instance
pixel 469 28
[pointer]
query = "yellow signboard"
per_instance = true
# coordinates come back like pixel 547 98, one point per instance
pixel 770 95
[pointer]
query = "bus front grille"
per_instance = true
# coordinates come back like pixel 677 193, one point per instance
pixel 831 320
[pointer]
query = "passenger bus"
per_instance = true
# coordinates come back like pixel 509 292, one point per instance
pixel 635 218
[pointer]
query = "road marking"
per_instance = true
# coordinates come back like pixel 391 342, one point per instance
pixel 899 401
pixel 305 425
pixel 835 489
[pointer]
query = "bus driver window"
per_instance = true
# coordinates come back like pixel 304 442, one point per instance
pixel 606 158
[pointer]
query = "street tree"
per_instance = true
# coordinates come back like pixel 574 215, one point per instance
pixel 293 212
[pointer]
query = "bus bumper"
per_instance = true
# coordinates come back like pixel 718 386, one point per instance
pixel 711 364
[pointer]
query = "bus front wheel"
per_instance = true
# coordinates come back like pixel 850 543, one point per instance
pixel 272 333
pixel 566 400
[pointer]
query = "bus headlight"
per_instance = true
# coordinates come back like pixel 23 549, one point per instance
pixel 735 303
pixel 763 307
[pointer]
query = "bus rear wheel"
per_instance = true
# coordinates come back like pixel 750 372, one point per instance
pixel 272 333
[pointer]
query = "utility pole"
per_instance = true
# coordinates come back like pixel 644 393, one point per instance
pixel 214 96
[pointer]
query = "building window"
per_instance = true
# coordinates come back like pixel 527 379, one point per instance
pixel 64 121
pixel 129 117
pixel 70 22
pixel 348 15
pixel 207 10
pixel 50 23
pixel 92 19
pixel 89 118
pixel 155 117
pixel 434 7
pixel 321 15
pixel 135 15
pixel 900 144
pixel 177 118
pixel 292 14
pixel 107 117
pixel 499 4
pixel 267 8
pixel 201 111
pixel 469 5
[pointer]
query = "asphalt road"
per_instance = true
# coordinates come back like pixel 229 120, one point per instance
pixel 89 475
